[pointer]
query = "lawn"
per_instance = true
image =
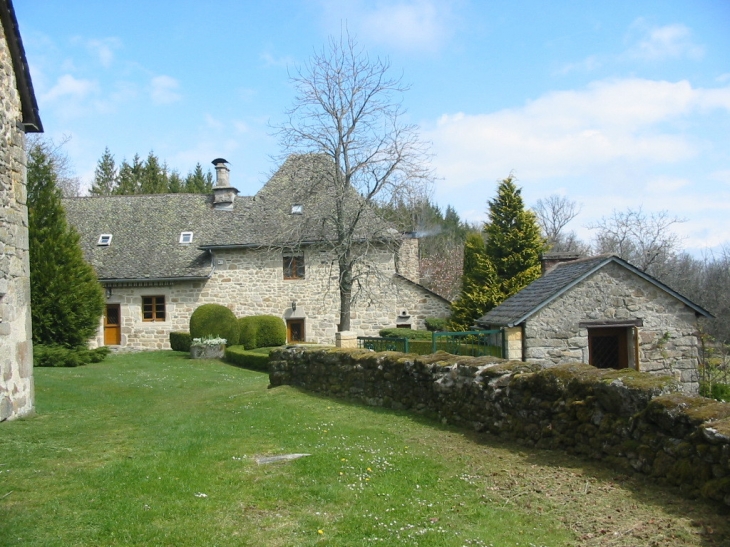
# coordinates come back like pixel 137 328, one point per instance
pixel 157 449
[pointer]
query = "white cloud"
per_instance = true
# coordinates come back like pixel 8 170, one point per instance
pixel 68 87
pixel 670 41
pixel 722 176
pixel 164 90
pixel 283 62
pixel 103 49
pixel 662 185
pixel 411 25
pixel 572 133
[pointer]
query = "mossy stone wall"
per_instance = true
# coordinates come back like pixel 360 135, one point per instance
pixel 635 420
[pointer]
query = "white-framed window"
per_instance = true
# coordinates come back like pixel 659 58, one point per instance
pixel 297 209
pixel 105 240
pixel 186 237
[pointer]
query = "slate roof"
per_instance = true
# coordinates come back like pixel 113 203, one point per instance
pixel 146 229
pixel 519 307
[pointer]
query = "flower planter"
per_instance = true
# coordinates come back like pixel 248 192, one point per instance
pixel 216 351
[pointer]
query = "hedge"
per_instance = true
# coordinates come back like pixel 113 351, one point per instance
pixel 214 320
pixel 61 356
pixel 180 341
pixel 257 360
pixel 261 331
pixel 405 333
pixel 435 324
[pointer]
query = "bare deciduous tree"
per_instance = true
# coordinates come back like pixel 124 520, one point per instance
pixel 67 181
pixel 553 215
pixel 648 241
pixel 348 111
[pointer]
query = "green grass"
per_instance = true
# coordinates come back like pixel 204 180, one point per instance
pixel 158 449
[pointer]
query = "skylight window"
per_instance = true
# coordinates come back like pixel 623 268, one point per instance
pixel 186 237
pixel 105 240
pixel 297 209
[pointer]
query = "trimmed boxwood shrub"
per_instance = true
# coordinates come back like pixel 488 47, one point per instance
pixel 61 356
pixel 435 324
pixel 271 331
pixel 247 332
pixel 214 320
pixel 261 331
pixel 257 359
pixel 406 333
pixel 180 341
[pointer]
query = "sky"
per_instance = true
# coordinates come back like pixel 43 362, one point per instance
pixel 613 105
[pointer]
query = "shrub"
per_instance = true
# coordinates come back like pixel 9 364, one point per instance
pixel 406 333
pixel 719 392
pixel 257 360
pixel 261 331
pixel 61 356
pixel 271 331
pixel 214 320
pixel 180 341
pixel 435 324
pixel 247 332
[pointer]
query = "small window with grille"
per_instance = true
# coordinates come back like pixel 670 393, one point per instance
pixel 294 267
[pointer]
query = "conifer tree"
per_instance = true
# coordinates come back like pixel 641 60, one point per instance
pixel 195 182
pixel 479 286
pixel 130 177
pixel 175 183
pixel 66 297
pixel 105 176
pixel 154 176
pixel 513 240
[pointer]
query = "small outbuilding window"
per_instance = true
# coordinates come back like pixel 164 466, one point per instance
pixel 186 237
pixel 105 240
pixel 297 209
pixel 294 267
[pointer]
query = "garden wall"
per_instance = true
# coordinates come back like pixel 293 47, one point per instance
pixel 631 419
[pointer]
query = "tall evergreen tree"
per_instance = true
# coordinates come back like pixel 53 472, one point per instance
pixel 513 240
pixel 105 176
pixel 66 297
pixel 154 176
pixel 175 183
pixel 130 177
pixel 479 285
pixel 195 182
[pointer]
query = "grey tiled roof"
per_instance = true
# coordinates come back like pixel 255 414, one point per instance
pixel 146 229
pixel 563 277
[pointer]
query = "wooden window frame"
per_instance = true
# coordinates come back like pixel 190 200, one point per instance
pixel 154 309
pixel 293 266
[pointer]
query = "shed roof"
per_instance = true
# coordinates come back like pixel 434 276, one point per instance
pixel 519 307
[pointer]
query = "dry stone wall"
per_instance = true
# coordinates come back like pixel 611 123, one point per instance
pixel 667 339
pixel 634 420
pixel 16 351
pixel 251 282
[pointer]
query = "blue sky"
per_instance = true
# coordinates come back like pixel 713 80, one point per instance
pixel 611 104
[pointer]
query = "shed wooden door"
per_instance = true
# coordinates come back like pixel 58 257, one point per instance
pixel 295 330
pixel 608 347
pixel 112 325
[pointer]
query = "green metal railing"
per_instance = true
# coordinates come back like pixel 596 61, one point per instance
pixel 377 343
pixel 474 342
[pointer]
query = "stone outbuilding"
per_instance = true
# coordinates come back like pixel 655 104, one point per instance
pixel 161 256
pixel 18 115
pixel 602 311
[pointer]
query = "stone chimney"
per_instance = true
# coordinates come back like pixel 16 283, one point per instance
pixel 548 261
pixel 223 194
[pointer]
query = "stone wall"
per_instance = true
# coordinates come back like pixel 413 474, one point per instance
pixel 251 282
pixel 667 339
pixel 633 420
pixel 16 351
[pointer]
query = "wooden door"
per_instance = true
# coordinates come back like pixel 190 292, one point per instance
pixel 112 325
pixel 294 330
pixel 608 347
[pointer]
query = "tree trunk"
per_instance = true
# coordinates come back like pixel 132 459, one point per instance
pixel 345 294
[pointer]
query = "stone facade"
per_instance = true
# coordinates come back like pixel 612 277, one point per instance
pixel 16 351
pixel 667 341
pixel 251 282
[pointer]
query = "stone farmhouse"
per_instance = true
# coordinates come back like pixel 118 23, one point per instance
pixel 602 311
pixel 161 256
pixel 18 115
